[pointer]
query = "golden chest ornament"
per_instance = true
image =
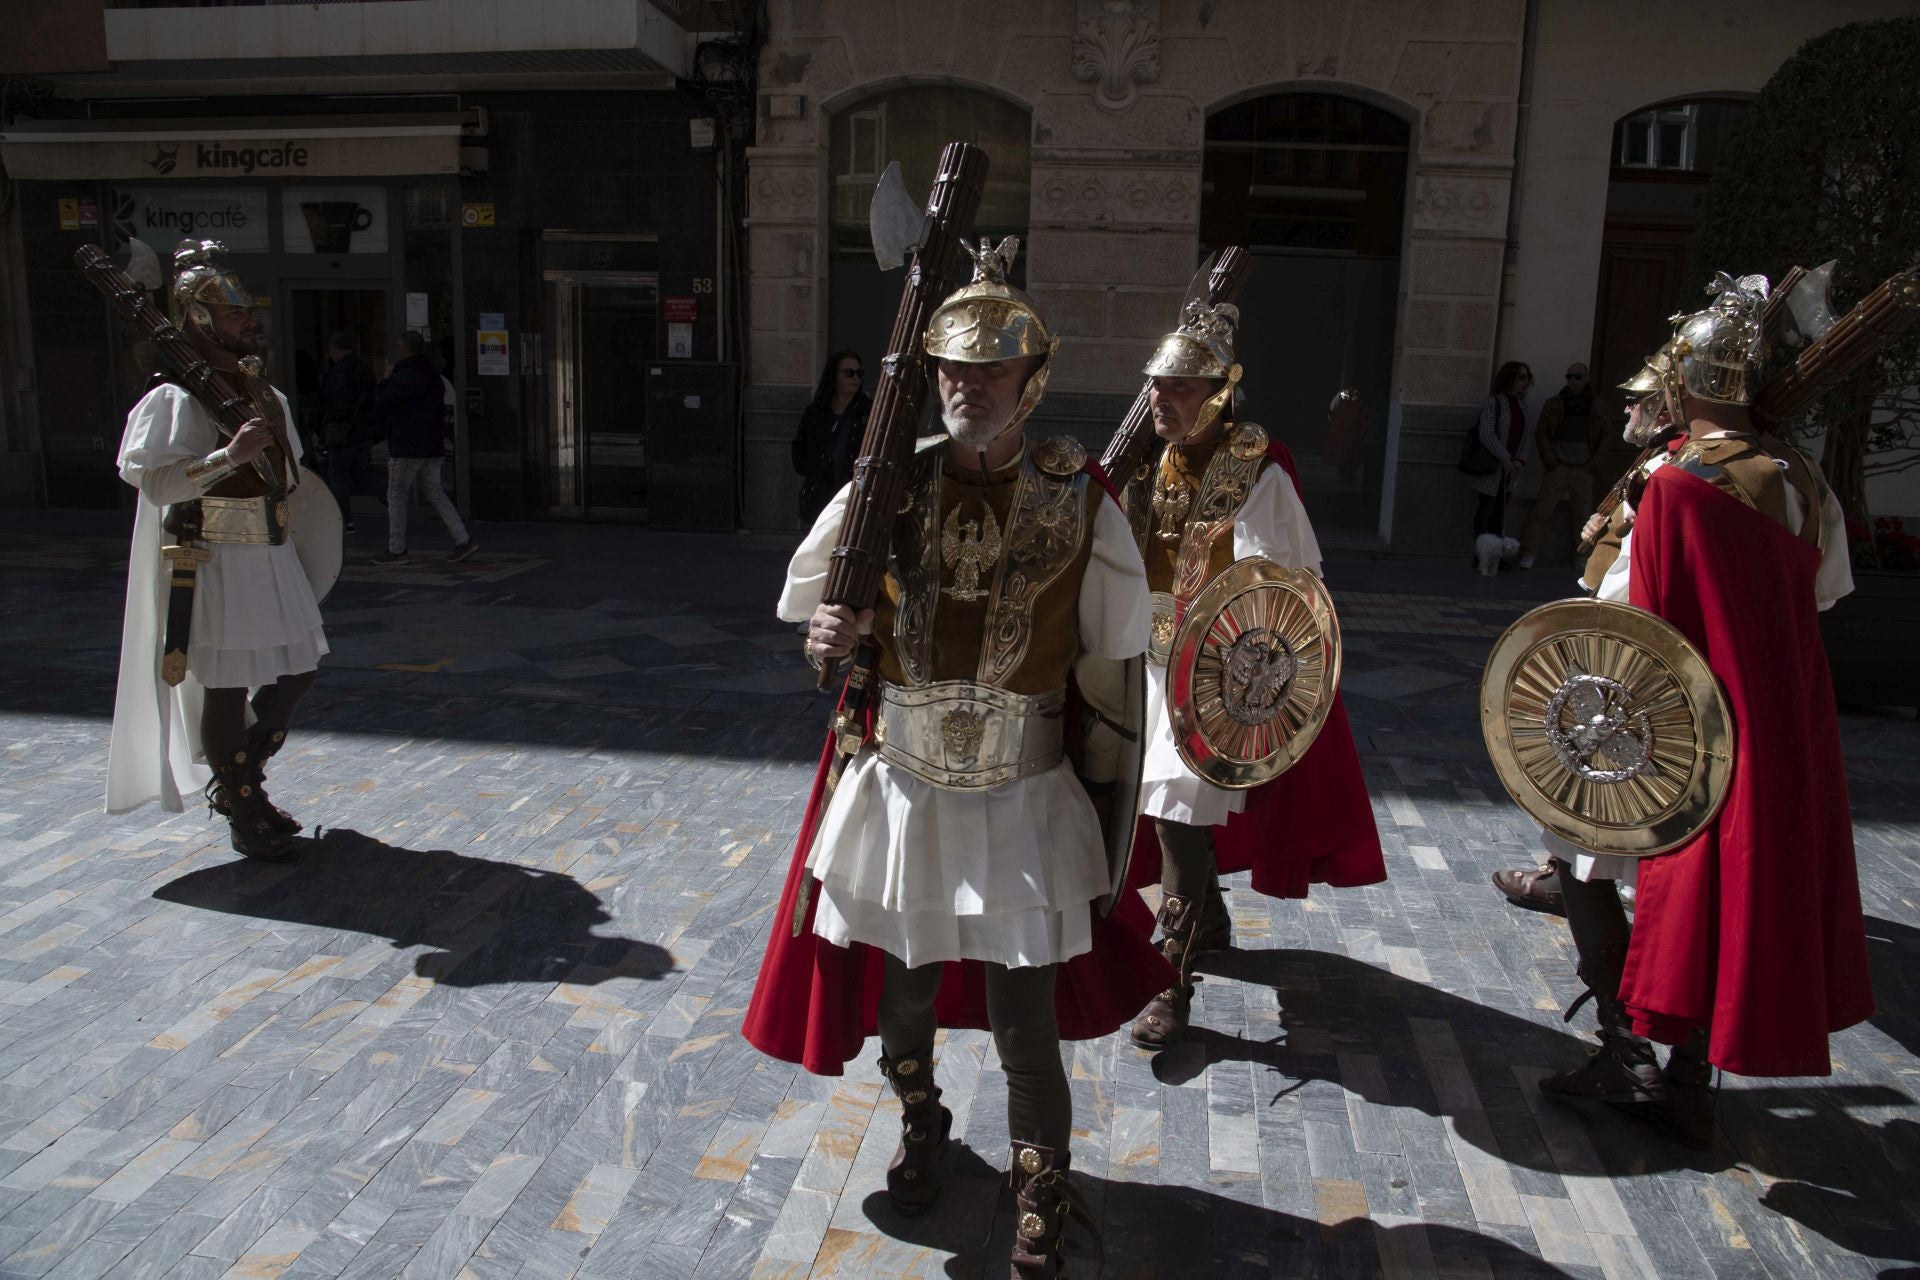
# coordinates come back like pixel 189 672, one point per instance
pixel 1043 531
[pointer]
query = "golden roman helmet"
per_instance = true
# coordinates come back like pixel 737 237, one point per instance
pixel 1201 347
pixel 988 319
pixel 200 279
pixel 1713 354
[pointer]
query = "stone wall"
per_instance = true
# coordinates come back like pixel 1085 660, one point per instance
pixel 1119 95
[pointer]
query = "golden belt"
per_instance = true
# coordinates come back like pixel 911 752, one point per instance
pixel 1160 638
pixel 243 520
pixel 962 736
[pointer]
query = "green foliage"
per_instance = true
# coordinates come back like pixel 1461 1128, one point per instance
pixel 1826 164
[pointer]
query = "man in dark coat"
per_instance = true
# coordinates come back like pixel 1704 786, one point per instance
pixel 346 423
pixel 410 407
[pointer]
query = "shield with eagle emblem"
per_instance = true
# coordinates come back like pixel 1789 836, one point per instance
pixel 1607 726
pixel 1252 672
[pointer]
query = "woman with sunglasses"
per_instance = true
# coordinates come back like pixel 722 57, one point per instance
pixel 830 429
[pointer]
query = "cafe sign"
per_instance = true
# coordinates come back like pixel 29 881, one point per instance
pixel 322 148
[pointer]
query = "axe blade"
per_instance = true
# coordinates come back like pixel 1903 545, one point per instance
pixel 894 219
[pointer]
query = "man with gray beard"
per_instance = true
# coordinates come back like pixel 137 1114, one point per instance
pixel 962 831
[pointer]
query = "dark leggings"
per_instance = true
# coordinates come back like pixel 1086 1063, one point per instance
pixel 1186 858
pixel 223 718
pixel 1026 1031
pixel 1490 516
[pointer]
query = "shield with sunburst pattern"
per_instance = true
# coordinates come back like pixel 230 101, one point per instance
pixel 1252 672
pixel 1607 726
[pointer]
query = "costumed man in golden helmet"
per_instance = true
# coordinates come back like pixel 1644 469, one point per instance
pixel 1223 491
pixel 959 859
pixel 222 635
pixel 1747 946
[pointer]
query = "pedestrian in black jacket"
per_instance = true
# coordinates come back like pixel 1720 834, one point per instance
pixel 346 423
pixel 410 407
pixel 829 436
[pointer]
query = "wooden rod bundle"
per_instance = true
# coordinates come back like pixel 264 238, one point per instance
pixel 1132 444
pixel 230 406
pixel 886 449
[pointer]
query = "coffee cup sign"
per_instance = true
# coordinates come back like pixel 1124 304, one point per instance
pixel 334 219
pixel 331 223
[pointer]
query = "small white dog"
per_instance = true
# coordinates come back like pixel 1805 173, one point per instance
pixel 1489 549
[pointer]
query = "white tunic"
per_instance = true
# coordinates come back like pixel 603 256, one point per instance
pixel 1272 522
pixel 1003 875
pixel 1831 581
pixel 254 615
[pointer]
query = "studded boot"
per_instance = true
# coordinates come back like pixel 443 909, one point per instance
pixel 1215 932
pixel 262 745
pixel 1043 1202
pixel 913 1176
pixel 1623 1070
pixel 1167 1013
pixel 251 821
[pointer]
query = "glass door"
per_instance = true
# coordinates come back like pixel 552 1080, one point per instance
pixel 604 329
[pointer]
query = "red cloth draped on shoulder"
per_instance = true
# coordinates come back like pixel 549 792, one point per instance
pixel 1753 926
pixel 1311 825
pixel 816 1004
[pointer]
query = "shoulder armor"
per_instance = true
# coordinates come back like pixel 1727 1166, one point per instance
pixel 1248 441
pixel 1060 456
pixel 1693 459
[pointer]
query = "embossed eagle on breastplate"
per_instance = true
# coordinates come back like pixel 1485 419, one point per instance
pixel 968 547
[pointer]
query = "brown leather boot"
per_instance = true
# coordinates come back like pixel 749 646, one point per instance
pixel 251 822
pixel 1167 1013
pixel 913 1177
pixel 1687 1113
pixel 1623 1070
pixel 1215 932
pixel 1043 1201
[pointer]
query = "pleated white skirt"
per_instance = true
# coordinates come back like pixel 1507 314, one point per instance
pixel 1003 875
pixel 1168 789
pixel 254 618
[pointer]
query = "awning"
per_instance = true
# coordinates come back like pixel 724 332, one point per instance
pixel 336 146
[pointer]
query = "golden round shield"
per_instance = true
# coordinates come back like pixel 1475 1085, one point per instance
pixel 1606 725
pixel 1252 672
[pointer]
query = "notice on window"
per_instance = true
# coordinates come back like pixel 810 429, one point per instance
pixel 417 311
pixel 492 350
pixel 679 341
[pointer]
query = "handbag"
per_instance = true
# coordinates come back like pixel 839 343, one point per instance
pixel 1475 458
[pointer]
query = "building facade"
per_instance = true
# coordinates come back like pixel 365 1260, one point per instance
pixel 534 188
pixel 1428 189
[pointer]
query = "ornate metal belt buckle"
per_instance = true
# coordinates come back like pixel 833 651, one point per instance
pixel 1160 638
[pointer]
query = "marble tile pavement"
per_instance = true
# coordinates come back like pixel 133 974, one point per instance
pixel 488 1026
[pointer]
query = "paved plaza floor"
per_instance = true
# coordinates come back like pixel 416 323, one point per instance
pixel 488 1025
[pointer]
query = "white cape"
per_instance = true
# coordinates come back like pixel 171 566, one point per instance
pixel 155 753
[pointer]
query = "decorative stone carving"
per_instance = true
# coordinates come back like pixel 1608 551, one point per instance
pixel 784 195
pixel 1117 46
pixel 1460 204
pixel 1098 197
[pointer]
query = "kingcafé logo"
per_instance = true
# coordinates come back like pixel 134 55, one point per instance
pixel 216 156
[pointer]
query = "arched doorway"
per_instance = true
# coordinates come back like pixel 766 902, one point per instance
pixel 1315 185
pixel 1662 159
pixel 911 125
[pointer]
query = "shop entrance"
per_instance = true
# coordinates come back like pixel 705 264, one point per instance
pixel 315 315
pixel 605 328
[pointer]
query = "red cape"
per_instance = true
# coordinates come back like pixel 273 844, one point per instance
pixel 1311 825
pixel 1754 926
pixel 815 1003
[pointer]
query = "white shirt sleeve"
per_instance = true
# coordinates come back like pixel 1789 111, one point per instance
pixel 1115 607
pixel 166 432
pixel 1273 523
pixel 1835 577
pixel 807 571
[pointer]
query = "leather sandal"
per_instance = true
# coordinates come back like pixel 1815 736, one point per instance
pixel 1536 888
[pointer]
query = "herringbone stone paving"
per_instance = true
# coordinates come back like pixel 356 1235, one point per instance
pixel 488 1025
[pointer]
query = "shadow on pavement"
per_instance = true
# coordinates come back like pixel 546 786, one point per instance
pixel 1155 1230
pixel 487 922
